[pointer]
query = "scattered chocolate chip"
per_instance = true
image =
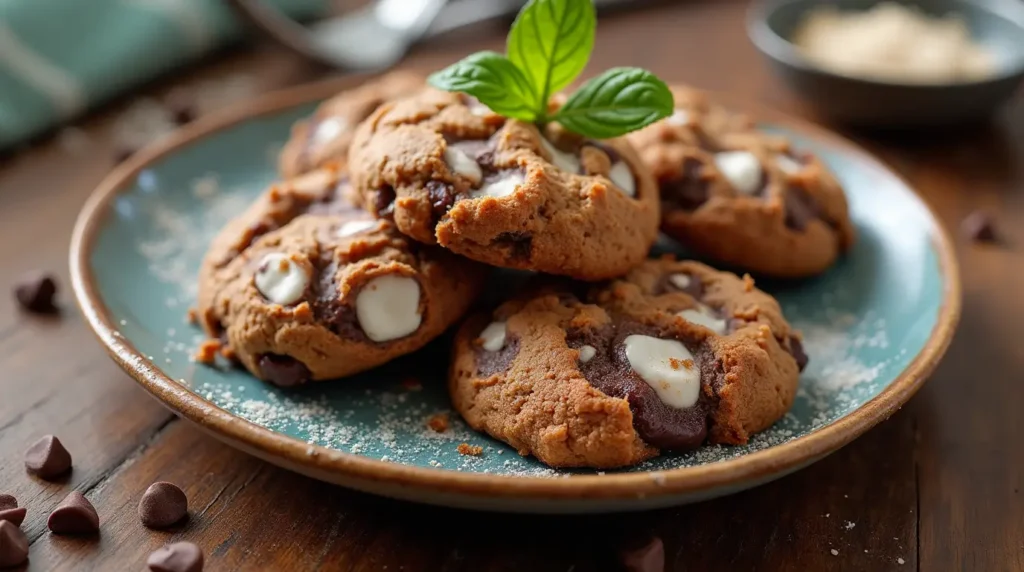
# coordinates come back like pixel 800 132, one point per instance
pixel 13 545
pixel 385 202
pixel 177 557
pixel 14 515
pixel 8 501
pixel 162 505
pixel 74 515
pixel 980 226
pixel 181 107
pixel 47 458
pixel 442 197
pixel 35 291
pixel 283 371
pixel 648 558
pixel 796 349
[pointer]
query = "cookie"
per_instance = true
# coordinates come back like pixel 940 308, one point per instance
pixel 673 355
pixel 447 171
pixel 325 137
pixel 744 198
pixel 303 286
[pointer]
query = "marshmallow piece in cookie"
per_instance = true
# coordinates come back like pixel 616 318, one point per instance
pixel 388 307
pixel 492 338
pixel 462 164
pixel 787 164
pixel 355 227
pixel 503 185
pixel 680 280
pixel 587 353
pixel 741 169
pixel 704 316
pixel 328 129
pixel 280 279
pixel 622 176
pixel 679 117
pixel 567 162
pixel 667 366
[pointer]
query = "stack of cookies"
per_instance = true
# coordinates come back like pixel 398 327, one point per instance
pixel 399 200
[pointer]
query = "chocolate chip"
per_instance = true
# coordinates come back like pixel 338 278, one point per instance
pixel 518 243
pixel 980 226
pixel 35 292
pixel 647 558
pixel 283 371
pixel 8 501
pixel 690 190
pixel 13 545
pixel 15 516
pixel 800 209
pixel 75 515
pixel 47 458
pixel 162 505
pixel 177 557
pixel 384 203
pixel 441 196
pixel 796 349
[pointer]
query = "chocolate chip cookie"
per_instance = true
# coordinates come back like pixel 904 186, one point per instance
pixel 673 355
pixel 325 137
pixel 448 171
pixel 303 286
pixel 742 197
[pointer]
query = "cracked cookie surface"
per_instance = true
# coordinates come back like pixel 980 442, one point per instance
pixel 744 198
pixel 325 137
pixel 303 286
pixel 673 355
pixel 447 171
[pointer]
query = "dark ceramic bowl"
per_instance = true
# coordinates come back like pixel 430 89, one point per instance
pixel 878 103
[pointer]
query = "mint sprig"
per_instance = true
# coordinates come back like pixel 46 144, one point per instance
pixel 548 47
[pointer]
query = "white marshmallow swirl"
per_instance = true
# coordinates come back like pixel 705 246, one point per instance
pixel 388 307
pixel 280 279
pixel 667 366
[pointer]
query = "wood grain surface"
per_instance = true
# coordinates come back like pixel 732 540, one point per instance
pixel 936 487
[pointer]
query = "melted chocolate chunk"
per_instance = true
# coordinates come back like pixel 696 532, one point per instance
pixel 328 309
pixel 796 349
pixel 490 363
pixel 660 425
pixel 800 208
pixel 384 202
pixel 691 190
pixel 518 243
pixel 283 371
pixel 442 198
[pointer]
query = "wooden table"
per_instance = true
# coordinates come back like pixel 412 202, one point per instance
pixel 937 487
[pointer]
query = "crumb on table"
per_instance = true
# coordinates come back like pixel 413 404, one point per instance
pixel 438 422
pixel 207 351
pixel 467 449
pixel 412 384
pixel 228 352
pixel 192 316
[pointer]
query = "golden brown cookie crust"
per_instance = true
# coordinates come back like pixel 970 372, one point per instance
pixel 534 395
pixel 566 223
pixel 301 220
pixel 325 137
pixel 796 225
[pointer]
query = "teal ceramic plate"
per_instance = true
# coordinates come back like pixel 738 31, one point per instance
pixel 875 326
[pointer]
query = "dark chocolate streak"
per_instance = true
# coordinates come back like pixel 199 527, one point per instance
pixel 660 425
pixel 490 363
pixel 282 370
pixel 690 190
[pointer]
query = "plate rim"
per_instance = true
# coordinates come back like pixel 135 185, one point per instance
pixel 351 467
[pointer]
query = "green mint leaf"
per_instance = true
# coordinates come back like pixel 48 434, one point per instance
pixel 616 102
pixel 550 42
pixel 492 79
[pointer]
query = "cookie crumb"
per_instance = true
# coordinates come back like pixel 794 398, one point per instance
pixel 748 283
pixel 439 423
pixel 834 552
pixel 192 316
pixel 472 450
pixel 207 351
pixel 901 561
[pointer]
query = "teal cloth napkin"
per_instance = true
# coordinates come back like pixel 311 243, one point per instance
pixel 60 57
